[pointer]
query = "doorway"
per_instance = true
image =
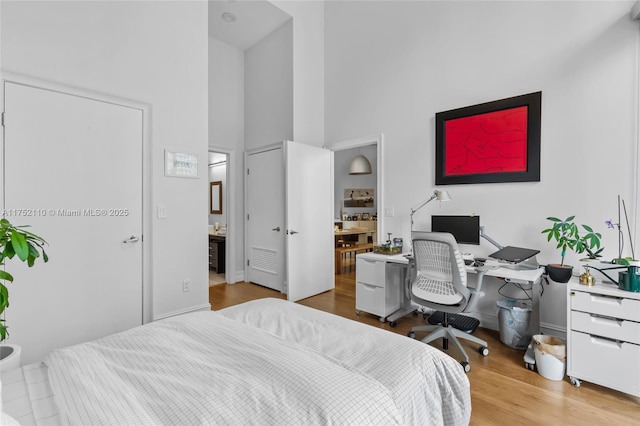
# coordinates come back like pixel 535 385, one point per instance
pixel 218 224
pixel 358 198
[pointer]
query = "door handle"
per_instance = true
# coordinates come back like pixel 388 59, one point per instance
pixel 292 232
pixel 131 239
pixel 277 229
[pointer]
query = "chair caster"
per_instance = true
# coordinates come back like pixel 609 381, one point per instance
pixel 357 312
pixel 393 324
pixel 411 335
pixel 466 366
pixel 575 382
pixel 483 350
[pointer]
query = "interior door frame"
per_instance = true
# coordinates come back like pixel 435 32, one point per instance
pixel 377 140
pixel 26 80
pixel 230 207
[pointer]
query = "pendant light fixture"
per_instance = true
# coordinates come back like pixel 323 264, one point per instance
pixel 360 166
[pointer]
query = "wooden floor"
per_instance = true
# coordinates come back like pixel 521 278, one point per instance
pixel 503 391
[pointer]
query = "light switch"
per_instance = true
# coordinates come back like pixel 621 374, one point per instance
pixel 389 211
pixel 162 212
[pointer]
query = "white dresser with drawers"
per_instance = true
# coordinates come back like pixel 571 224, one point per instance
pixel 603 336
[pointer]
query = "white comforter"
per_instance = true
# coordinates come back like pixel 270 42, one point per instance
pixel 223 368
pixel 428 386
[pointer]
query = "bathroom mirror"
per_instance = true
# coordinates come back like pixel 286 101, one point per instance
pixel 215 197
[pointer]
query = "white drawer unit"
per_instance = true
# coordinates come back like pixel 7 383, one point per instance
pixel 603 336
pixel 378 285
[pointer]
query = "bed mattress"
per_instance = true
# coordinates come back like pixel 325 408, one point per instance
pixel 267 361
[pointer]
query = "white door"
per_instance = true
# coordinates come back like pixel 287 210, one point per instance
pixel 309 192
pixel 73 171
pixel 289 221
pixel 265 203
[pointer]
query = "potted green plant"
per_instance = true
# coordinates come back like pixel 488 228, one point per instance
pixel 590 243
pixel 15 242
pixel 567 235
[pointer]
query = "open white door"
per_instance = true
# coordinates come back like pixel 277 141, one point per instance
pixel 309 218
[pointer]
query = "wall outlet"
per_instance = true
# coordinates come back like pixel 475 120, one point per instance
pixel 186 285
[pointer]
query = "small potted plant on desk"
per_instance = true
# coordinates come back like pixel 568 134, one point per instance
pixel 15 242
pixel 567 235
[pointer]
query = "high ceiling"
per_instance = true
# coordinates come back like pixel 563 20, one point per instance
pixel 254 19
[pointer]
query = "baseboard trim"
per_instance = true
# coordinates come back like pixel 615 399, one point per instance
pixel 204 307
pixel 553 330
pixel 491 322
pixel 486 321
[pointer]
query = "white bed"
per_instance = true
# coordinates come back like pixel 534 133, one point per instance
pixel 267 361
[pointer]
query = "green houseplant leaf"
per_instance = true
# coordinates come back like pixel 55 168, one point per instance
pixel 16 242
pixel 19 243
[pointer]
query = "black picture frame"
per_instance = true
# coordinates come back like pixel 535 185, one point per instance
pixel 453 155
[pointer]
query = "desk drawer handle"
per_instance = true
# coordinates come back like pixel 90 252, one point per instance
pixel 605 321
pixel 277 229
pixel 606 342
pixel 606 300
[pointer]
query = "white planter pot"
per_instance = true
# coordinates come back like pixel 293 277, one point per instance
pixel 9 357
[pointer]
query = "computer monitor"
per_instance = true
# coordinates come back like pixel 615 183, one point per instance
pixel 465 229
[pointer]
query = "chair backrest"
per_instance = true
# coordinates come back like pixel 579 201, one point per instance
pixel 440 277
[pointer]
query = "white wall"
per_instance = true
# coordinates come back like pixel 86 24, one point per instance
pixel 226 95
pixel 308 69
pixel 154 52
pixel 269 89
pixel 390 66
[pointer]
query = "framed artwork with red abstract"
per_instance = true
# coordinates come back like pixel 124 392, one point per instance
pixel 497 141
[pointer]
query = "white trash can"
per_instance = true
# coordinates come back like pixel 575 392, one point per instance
pixel 550 353
pixel 514 317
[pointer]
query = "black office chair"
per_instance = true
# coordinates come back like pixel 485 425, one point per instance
pixel 439 281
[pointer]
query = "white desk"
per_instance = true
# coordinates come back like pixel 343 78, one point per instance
pixel 382 285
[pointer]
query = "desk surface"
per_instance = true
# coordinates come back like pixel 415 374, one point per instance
pixel 495 268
